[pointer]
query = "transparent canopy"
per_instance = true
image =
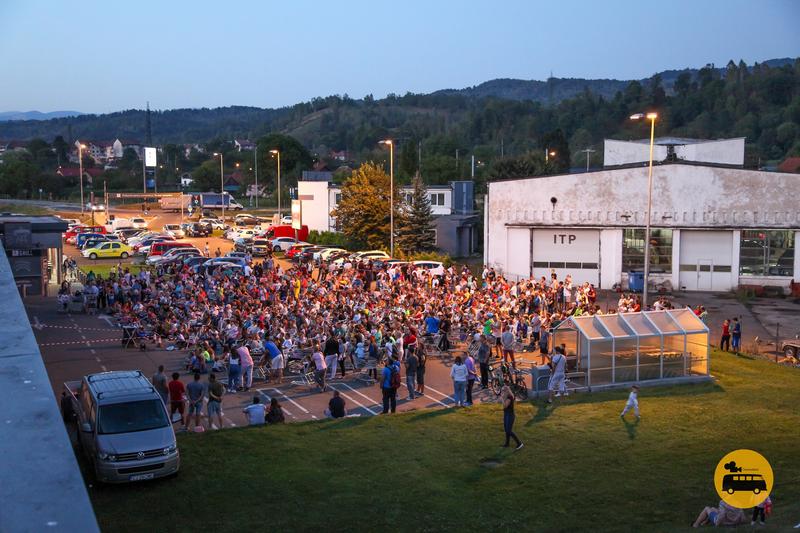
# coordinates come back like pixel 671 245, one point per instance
pixel 631 347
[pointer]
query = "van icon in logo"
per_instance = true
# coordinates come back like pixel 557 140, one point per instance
pixel 743 478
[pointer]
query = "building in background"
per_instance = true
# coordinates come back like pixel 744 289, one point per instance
pixel 34 249
pixel 715 225
pixel 455 219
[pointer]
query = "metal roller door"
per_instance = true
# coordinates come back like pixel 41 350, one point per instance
pixel 567 251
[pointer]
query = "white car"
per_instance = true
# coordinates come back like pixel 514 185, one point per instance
pixel 215 223
pixel 71 222
pixel 171 254
pixel 282 244
pixel 243 233
pixel 435 268
pixel 174 230
pixel 95 207
pixel 324 255
pixel 371 254
pixel 139 223
pixel 286 220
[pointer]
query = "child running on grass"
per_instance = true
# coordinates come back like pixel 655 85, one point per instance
pixel 633 402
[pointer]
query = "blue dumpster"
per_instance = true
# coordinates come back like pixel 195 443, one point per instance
pixel 636 280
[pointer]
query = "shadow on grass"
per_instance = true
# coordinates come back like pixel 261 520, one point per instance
pixel 630 427
pixel 343 423
pixel 431 413
pixel 543 411
pixel 655 392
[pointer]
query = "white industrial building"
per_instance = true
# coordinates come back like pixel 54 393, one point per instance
pixel 715 225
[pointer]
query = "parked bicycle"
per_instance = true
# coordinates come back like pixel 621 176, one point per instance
pixel 503 374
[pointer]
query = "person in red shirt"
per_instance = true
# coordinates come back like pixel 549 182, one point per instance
pixel 177 391
pixel 725 340
pixel 410 340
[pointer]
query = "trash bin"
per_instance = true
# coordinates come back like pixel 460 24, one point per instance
pixel 636 280
pixel 540 375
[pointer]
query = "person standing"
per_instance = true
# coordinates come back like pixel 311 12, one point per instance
pixel 177 392
pixel 558 365
pixel 387 386
pixel 215 392
pixel 331 352
pixel 725 339
pixel 412 363
pixel 319 367
pixel 247 366
pixel 507 339
pixel 160 384
pixel 508 417
pixel 195 391
pixel 472 375
pixel 736 335
pixel 484 353
pixel 422 359
pixel 234 371
pixel 458 373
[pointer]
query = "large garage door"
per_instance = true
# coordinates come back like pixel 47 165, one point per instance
pixel 518 253
pixel 706 258
pixel 575 252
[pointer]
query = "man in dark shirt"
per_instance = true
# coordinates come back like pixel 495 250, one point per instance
pixel 336 406
pixel 411 373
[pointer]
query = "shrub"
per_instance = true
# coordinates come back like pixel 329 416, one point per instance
pixel 330 238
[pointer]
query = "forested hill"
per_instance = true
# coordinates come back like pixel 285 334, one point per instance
pixel 760 102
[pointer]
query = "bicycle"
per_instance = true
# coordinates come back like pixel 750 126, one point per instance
pixel 503 375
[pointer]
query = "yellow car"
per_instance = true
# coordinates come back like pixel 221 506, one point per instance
pixel 108 249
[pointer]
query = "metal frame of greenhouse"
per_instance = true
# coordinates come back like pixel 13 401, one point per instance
pixel 651 346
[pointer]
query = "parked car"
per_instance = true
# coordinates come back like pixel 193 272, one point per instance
pixel 139 223
pixel 244 219
pixel 108 249
pixel 158 248
pixel 282 244
pixel 286 220
pixel 172 253
pixel 143 247
pixel 260 247
pixel 435 268
pixel 73 232
pixel 93 242
pixel 371 254
pixel 213 223
pixel 127 233
pixel 193 260
pixel 83 237
pixel 292 252
pixel 243 244
pixel 124 429
pixel 235 233
pixel 324 255
pixel 174 230
pixel 307 254
pixel 196 229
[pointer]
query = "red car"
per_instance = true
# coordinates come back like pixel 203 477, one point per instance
pixel 70 235
pixel 296 249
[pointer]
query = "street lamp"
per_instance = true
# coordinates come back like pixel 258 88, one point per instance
pixel 255 160
pixel 652 118
pixel 81 147
pixel 390 144
pixel 548 153
pixel 277 154
pixel 221 184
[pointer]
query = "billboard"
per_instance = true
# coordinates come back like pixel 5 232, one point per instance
pixel 297 214
pixel 150 157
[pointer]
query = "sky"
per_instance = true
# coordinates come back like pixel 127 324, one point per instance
pixel 98 57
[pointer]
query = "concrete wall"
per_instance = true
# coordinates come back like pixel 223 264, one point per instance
pixel 316 208
pixel 684 196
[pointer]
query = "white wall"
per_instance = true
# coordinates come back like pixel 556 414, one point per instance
pixel 316 209
pixel 610 257
pixel 724 151
pixel 627 152
pixel 518 253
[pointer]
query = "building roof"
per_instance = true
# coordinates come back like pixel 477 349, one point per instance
pixel 677 141
pixel 74 172
pixel 790 164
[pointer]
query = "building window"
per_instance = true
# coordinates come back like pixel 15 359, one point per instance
pixel 337 198
pixel 766 253
pixel 437 198
pixel 408 198
pixel 660 250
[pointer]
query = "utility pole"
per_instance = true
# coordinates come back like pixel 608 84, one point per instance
pixel 502 148
pixel 472 172
pixel 588 151
pixel 256 169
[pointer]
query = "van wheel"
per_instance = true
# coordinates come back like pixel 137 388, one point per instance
pixel 756 490
pixel 790 351
pixel 123 255
pixel 730 491
pixel 92 255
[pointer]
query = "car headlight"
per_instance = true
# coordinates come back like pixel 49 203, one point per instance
pixel 106 456
pixel 170 449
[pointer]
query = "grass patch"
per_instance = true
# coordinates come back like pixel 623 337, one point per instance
pixel 24 209
pixel 582 468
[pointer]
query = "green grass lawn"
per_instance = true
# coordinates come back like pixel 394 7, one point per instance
pixel 582 468
pixel 24 209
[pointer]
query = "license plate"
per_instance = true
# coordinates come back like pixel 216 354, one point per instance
pixel 141 477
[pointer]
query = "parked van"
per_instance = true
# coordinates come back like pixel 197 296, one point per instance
pixel 158 248
pixel 123 426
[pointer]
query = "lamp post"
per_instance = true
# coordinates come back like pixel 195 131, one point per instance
pixel 255 158
pixel 652 118
pixel 221 184
pixel 277 154
pixel 80 169
pixel 548 153
pixel 390 144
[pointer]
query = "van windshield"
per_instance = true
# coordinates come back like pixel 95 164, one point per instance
pixel 131 416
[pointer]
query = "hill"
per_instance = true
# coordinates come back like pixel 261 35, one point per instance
pixel 36 115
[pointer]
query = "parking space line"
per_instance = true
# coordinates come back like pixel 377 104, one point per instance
pixel 428 387
pixel 294 403
pixel 354 400
pixel 378 403
pixel 269 399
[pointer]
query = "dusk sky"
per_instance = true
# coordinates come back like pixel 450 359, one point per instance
pixel 94 56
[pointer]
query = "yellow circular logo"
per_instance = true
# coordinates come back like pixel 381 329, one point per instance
pixel 743 478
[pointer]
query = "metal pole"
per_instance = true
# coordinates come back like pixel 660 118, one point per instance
pixel 222 186
pixel 279 183
pixel 80 169
pixel 256 167
pixel 649 217
pixel 391 199
pixel 472 171
pixel 105 200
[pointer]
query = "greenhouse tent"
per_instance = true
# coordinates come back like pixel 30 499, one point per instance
pixel 632 347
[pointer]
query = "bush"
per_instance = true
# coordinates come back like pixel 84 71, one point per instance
pixel 331 238
pixel 445 259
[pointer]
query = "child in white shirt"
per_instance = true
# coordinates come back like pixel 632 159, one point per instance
pixel 633 402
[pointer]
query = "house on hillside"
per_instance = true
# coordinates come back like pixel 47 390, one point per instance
pixel 341 155
pixel 100 151
pixel 188 148
pixel 12 146
pixel 121 144
pixel 242 144
pixel 790 165
pixel 73 172
pixel 233 182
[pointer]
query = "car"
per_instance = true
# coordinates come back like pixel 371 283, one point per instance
pixel 324 255
pixel 193 260
pixel 83 237
pixel 143 247
pixel 95 207
pixel 282 244
pixel 240 255
pixel 108 249
pixel 286 220
pixel 213 223
pixel 72 233
pixel 206 213
pixel 307 254
pixel 243 219
pixel 159 248
pixel 791 348
pixel 71 222
pixel 435 268
pixel 196 229
pixel 139 223
pixel 234 233
pixel 127 233
pixel 174 230
pixel 292 252
pixel 370 254
pixel 177 252
pixel 243 245
pixel 93 242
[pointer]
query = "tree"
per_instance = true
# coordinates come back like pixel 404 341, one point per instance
pixel 415 232
pixel 555 141
pixel 206 176
pixel 524 166
pixel 363 211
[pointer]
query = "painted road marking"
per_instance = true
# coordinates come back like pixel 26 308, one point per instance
pixel 38 325
pixel 354 400
pixel 294 403
pixel 374 402
pixel 67 343
pixel 269 399
pixel 428 387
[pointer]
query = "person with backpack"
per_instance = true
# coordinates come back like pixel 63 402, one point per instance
pixel 390 382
